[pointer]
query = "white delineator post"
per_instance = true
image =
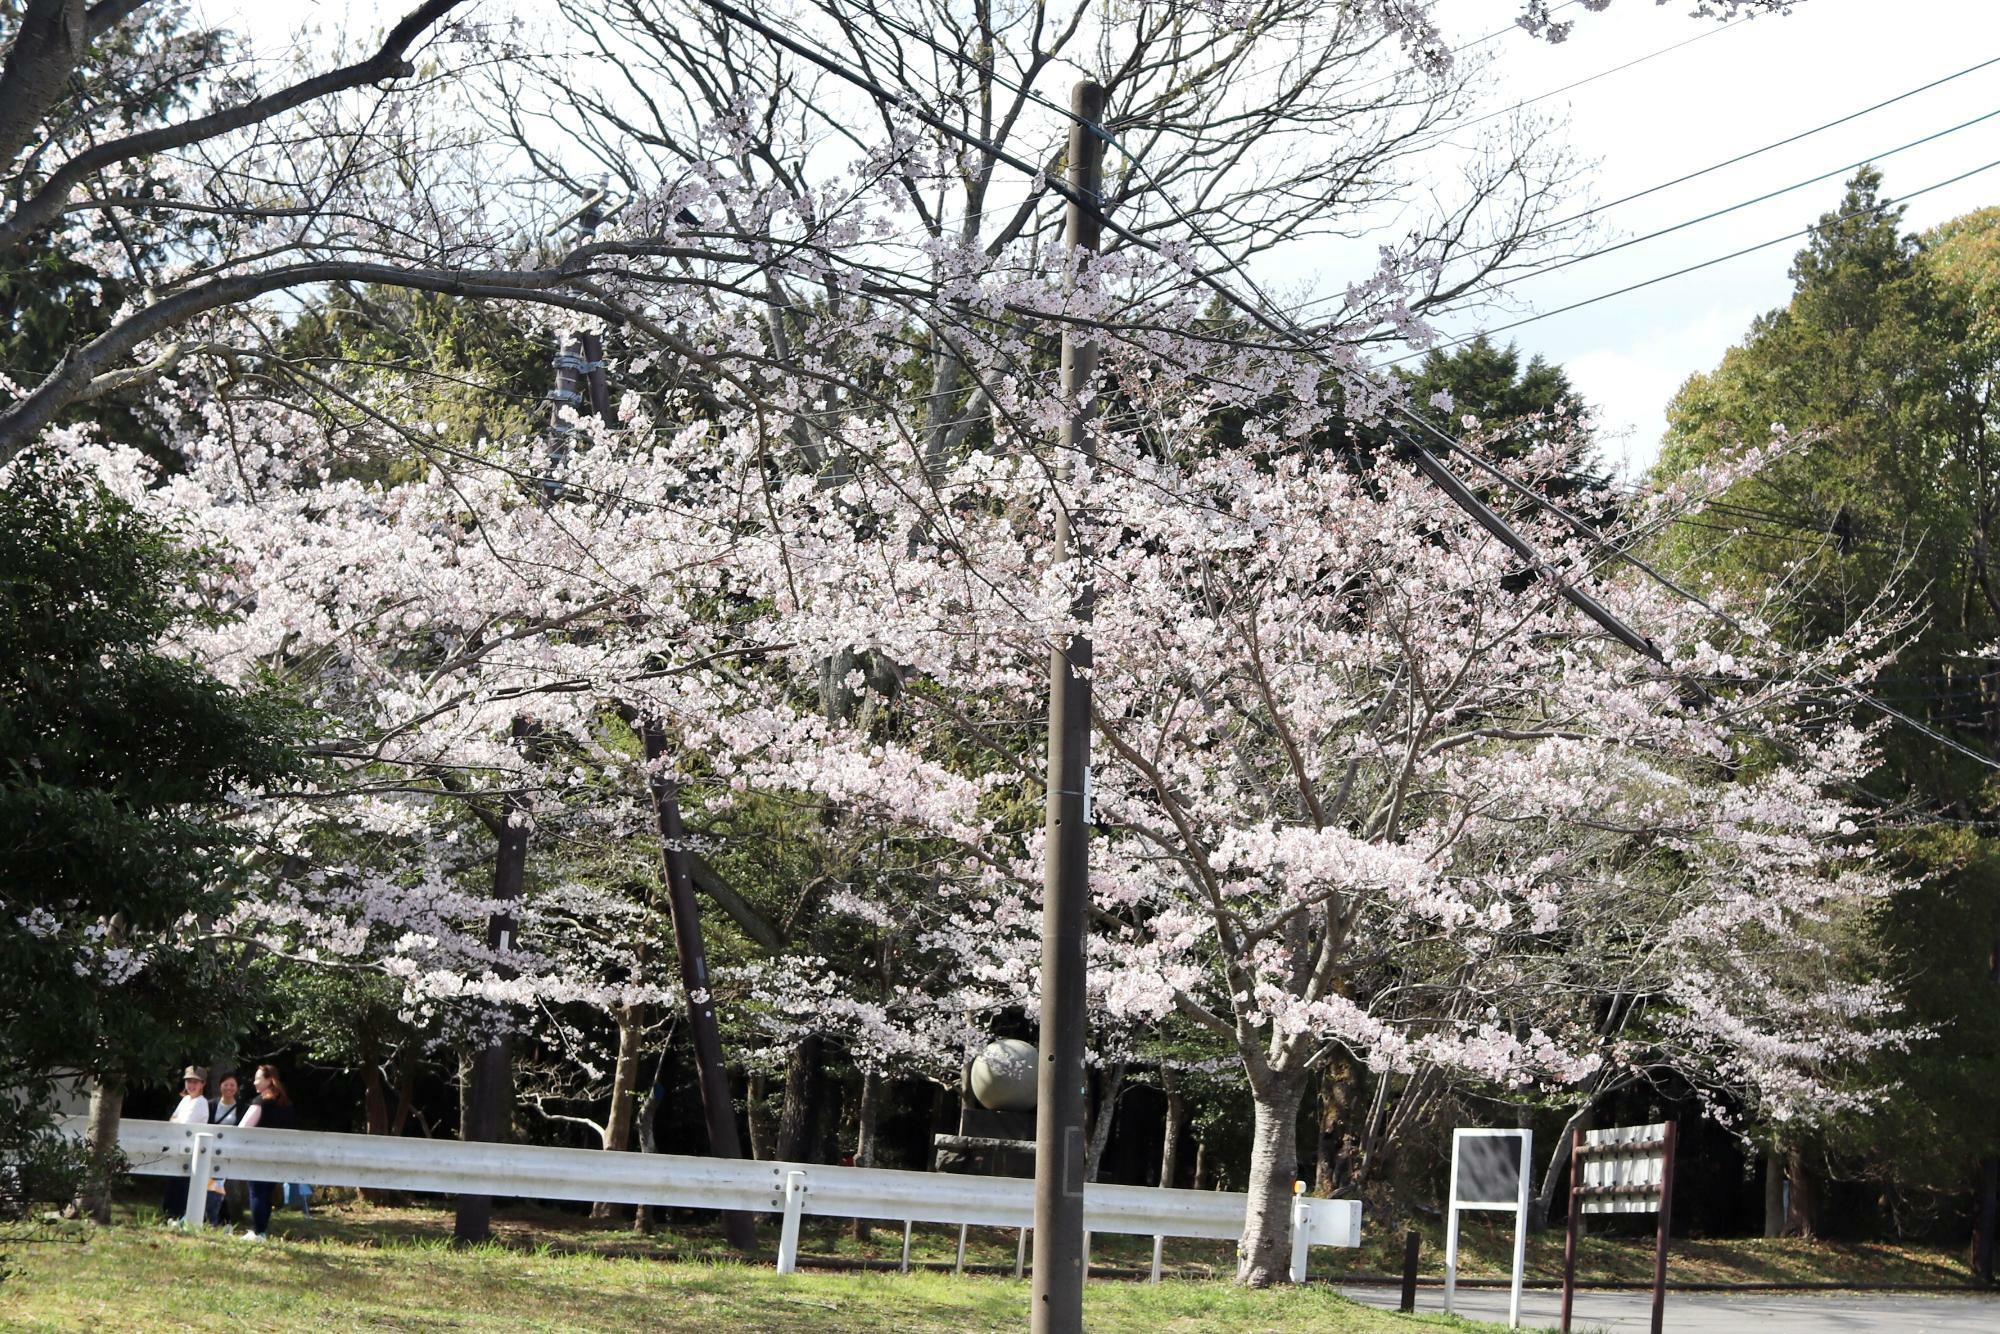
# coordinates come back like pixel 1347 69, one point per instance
pixel 1301 1231
pixel 201 1166
pixel 788 1237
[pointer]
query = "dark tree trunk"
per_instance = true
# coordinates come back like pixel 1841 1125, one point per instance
pixel 757 1112
pixel 647 1127
pixel 1111 1085
pixel 492 1085
pixel 866 1110
pixel 1987 1222
pixel 107 1106
pixel 1802 1208
pixel 1339 1106
pixel 1201 1164
pixel 1176 1126
pixel 376 1120
pixel 718 1108
pixel 802 1097
pixel 406 1093
pixel 1774 1193
pixel 1542 1209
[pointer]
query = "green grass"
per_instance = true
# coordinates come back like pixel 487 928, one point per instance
pixel 1485 1249
pixel 144 1276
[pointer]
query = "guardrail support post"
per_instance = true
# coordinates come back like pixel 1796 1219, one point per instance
pixel 906 1245
pixel 1020 1253
pixel 200 1169
pixel 1301 1231
pixel 788 1238
pixel 958 1265
pixel 1159 1243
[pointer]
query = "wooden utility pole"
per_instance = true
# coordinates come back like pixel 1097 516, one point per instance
pixel 718 1109
pixel 492 1066
pixel 1983 1240
pixel 1060 1150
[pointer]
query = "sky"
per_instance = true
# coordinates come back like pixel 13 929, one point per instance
pixel 1699 92
pixel 1745 85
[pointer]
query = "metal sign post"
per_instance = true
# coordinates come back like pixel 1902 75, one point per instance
pixel 1489 1170
pixel 1622 1170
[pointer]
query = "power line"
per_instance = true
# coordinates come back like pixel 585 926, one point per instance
pixel 1427 462
pixel 1710 216
pixel 1692 268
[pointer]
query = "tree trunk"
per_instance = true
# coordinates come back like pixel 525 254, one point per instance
pixel 1339 1100
pixel 802 1096
pixel 624 1087
pixel 1201 1164
pixel 93 1196
pixel 758 1113
pixel 1987 1222
pixel 648 1127
pixel 406 1093
pixel 376 1121
pixel 1263 1257
pixel 1541 1211
pixel 489 1099
pixel 1176 1126
pixel 1111 1085
pixel 1801 1208
pixel 1774 1193
pixel 865 1113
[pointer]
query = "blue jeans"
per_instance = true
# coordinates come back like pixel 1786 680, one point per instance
pixel 262 1193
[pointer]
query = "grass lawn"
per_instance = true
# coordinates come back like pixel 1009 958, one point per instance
pixel 1485 1248
pixel 144 1276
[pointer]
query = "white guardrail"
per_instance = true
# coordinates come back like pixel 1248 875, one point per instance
pixel 795 1190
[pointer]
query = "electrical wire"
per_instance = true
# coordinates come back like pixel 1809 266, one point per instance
pixel 1801 233
pixel 1427 462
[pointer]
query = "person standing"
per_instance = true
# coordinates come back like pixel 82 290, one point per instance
pixel 226 1112
pixel 272 1110
pixel 191 1111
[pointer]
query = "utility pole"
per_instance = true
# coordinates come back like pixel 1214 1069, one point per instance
pixel 1060 1151
pixel 1988 1215
pixel 492 1066
pixel 717 1107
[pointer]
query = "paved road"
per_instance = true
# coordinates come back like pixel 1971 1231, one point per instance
pixel 1723 1313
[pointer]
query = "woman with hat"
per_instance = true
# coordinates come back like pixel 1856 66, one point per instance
pixel 192 1111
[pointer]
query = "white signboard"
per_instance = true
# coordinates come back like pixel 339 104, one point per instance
pixel 1490 1169
pixel 1623 1169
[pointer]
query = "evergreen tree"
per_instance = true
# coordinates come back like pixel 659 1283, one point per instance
pixel 1884 360
pixel 118 763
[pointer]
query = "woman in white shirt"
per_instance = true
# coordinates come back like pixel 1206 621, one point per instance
pixel 192 1111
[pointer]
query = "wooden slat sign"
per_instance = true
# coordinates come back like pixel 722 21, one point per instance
pixel 1623 1169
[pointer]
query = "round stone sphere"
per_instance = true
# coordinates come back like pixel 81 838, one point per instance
pixel 1003 1076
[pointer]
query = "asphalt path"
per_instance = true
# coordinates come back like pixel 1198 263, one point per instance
pixel 1721 1312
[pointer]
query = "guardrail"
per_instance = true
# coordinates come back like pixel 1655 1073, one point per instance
pixel 794 1190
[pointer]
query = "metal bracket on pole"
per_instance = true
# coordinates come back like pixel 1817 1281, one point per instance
pixel 788 1237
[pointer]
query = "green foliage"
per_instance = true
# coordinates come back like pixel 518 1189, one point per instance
pixel 118 761
pixel 1885 359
